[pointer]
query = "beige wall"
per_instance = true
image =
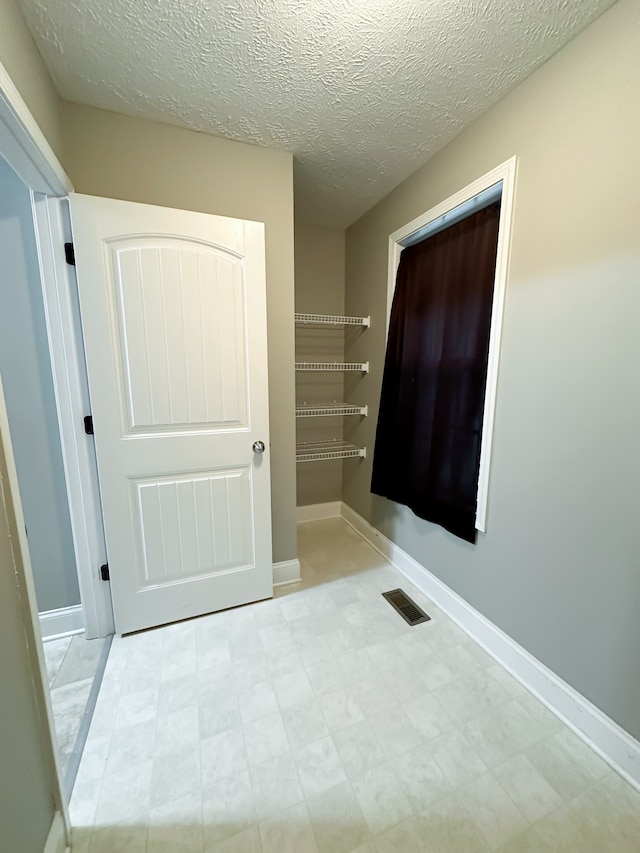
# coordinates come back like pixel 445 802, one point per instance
pixel 116 156
pixel 558 566
pixel 319 267
pixel 27 776
pixel 23 63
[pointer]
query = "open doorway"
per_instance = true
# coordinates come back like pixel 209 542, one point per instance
pixel 74 664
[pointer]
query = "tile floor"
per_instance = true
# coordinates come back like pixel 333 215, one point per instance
pixel 72 663
pixel 320 722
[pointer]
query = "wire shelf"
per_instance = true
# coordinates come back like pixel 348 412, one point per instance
pixel 362 367
pixel 319 410
pixel 314 451
pixel 330 320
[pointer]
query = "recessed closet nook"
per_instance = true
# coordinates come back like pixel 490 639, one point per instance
pixel 331 365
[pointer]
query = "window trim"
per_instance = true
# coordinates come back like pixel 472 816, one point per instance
pixel 453 209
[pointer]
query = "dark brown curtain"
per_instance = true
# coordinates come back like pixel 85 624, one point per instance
pixel 427 451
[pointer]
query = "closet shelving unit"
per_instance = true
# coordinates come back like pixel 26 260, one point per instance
pixel 330 320
pixel 313 451
pixel 323 410
pixel 357 366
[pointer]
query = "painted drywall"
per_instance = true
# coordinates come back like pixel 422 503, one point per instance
pixel 28 385
pixel 23 63
pixel 27 775
pixel 319 289
pixel 558 566
pixel 137 160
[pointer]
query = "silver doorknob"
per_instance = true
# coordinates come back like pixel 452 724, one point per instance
pixel 258 446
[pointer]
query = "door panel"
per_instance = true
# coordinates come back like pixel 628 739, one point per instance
pixel 174 313
pixel 194 526
pixel 181 310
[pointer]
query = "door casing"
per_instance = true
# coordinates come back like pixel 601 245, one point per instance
pixel 28 153
pixel 59 288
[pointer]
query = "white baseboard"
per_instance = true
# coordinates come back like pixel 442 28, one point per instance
pixel 616 746
pixel 57 839
pixel 288 571
pixel 316 512
pixel 62 622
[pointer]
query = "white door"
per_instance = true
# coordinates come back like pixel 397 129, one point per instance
pixel 173 308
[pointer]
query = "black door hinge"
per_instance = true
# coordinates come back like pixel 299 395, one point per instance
pixel 69 254
pixel 88 424
pixel 104 572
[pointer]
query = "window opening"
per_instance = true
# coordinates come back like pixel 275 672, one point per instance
pixel 496 185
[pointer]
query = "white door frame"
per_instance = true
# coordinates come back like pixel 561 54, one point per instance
pixel 28 153
pixel 31 157
pixel 53 229
pixel 24 146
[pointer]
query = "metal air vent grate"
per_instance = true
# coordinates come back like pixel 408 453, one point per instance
pixel 409 610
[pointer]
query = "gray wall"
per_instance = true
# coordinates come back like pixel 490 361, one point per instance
pixel 27 776
pixel 319 289
pixel 133 159
pixel 558 568
pixel 28 388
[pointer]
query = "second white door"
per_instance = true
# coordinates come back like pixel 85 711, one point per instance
pixel 173 308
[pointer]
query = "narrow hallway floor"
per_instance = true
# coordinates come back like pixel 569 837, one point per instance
pixel 72 665
pixel 320 722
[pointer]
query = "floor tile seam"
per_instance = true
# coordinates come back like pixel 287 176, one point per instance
pixel 473 750
pixel 254 792
pixel 294 749
pixel 466 720
pixel 366 717
pixel 69 684
pixel 495 770
pixel 571 761
pixel 348 682
pixel 91 737
pixel 101 848
pixel 51 677
pixel 513 749
pixel 66 652
pixel 94 809
pixel 348 782
pixel 125 765
pixel 119 653
pixel 146 810
pixel 443 709
pixel 551 814
pixel 107 679
pixel 389 765
pixel 259 818
pixel 572 802
pixel 576 761
pixel 522 814
pixel 428 691
pixel 544 737
pixel 424 814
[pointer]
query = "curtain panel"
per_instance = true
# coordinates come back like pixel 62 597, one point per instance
pixel 427 449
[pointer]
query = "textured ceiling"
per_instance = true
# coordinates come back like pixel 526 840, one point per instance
pixel 361 91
